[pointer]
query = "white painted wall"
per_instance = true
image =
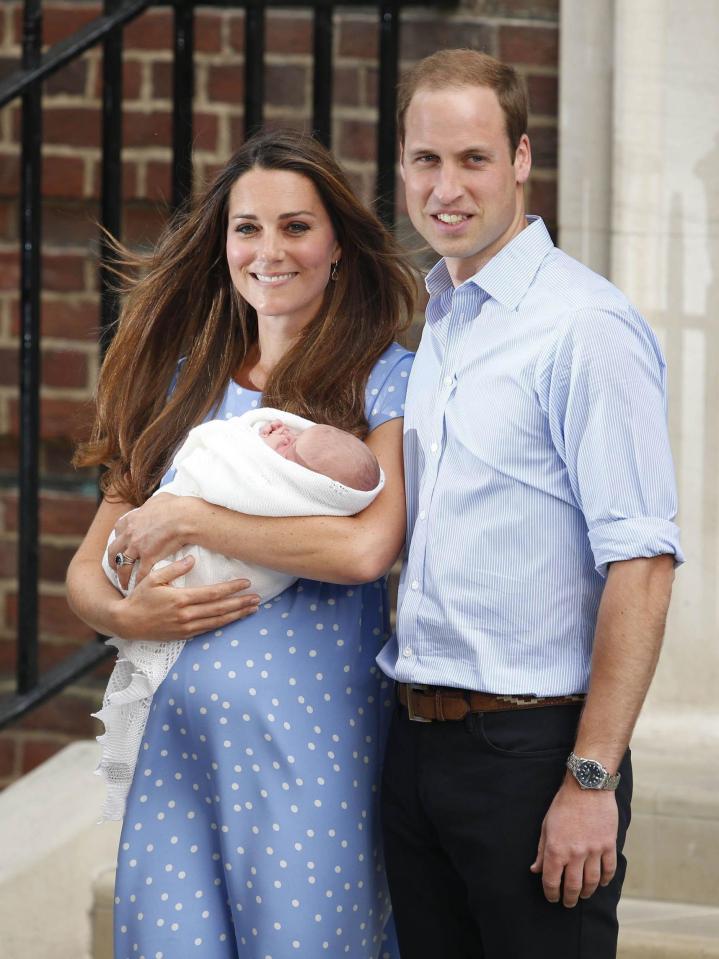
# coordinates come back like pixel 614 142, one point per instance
pixel 652 216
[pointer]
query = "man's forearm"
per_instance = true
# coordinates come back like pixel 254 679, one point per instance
pixel 628 638
pixel 577 845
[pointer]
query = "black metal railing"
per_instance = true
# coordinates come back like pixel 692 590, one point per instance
pixel 26 83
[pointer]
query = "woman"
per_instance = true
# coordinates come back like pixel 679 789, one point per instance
pixel 250 827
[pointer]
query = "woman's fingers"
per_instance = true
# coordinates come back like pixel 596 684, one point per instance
pixel 197 627
pixel 169 573
pixel 193 607
pixel 124 570
pixel 197 595
pixel 158 613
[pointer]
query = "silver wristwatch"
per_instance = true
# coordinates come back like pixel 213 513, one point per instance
pixel 590 774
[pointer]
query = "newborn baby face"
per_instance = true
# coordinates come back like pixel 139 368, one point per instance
pixel 282 439
pixel 327 450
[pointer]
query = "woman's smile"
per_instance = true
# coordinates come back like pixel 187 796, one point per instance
pixel 273 278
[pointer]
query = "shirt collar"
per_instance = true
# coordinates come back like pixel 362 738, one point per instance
pixel 507 276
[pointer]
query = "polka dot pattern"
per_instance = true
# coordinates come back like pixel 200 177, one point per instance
pixel 251 827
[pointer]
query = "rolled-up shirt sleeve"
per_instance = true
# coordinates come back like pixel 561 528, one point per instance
pixel 607 417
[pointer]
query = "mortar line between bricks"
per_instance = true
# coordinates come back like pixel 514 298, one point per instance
pixel 52 249
pixel 85 347
pixel 76 393
pixel 82 297
pixel 59 150
pixel 47 588
pixel 524 23
pixel 61 540
pixel 64 100
pixel 355 63
pixel 145 82
pixel 67 345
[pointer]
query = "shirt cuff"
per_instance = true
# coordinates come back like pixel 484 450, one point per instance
pixel 641 536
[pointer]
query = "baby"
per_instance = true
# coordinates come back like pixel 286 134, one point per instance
pixel 327 450
pixel 234 463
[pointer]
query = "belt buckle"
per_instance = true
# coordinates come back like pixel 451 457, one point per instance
pixel 419 687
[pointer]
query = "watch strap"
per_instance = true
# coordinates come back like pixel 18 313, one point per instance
pixel 609 781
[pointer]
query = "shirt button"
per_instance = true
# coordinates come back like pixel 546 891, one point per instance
pixel 415 584
pixel 423 515
pixel 448 381
pixel 407 652
pixel 434 447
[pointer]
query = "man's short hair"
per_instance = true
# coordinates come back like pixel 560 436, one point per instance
pixel 465 68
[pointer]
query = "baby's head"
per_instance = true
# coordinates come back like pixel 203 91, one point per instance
pixel 327 450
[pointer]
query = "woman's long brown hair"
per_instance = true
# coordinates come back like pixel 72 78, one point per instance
pixel 184 305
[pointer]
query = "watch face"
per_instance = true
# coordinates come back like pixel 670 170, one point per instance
pixel 590 774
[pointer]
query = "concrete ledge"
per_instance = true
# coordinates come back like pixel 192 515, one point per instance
pixel 673 842
pixel 52 849
pixel 667 930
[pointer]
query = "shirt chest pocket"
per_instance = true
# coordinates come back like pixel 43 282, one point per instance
pixel 497 419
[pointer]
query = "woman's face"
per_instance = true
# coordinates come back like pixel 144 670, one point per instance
pixel 280 245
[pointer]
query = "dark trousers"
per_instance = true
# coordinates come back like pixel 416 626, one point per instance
pixel 462 805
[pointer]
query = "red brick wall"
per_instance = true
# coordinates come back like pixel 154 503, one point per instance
pixel 523 32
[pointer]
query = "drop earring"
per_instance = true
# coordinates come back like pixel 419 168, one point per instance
pixel 333 274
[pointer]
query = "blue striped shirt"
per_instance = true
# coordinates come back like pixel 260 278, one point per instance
pixel 536 452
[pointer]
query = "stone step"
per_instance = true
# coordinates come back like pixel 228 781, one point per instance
pixel 51 848
pixel 101 914
pixel 667 930
pixel 648 929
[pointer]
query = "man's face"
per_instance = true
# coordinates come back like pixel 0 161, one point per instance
pixel 464 188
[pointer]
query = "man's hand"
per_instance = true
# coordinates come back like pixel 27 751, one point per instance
pixel 578 843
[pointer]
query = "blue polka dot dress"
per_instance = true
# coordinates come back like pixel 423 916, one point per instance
pixel 252 826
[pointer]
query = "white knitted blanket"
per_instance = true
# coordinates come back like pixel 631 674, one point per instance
pixel 224 462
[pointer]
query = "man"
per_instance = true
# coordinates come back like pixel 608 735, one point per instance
pixel 541 553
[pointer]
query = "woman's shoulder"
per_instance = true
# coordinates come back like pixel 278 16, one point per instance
pixel 387 385
pixel 394 357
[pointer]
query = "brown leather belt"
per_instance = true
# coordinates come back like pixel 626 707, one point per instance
pixel 427 703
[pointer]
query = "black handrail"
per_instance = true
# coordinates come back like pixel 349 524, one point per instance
pixel 30 278
pixel 60 54
pixel 387 135
pixel 107 29
pixel 254 67
pixel 183 93
pixel 322 75
pixel 111 188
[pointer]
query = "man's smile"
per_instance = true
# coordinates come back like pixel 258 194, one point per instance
pixel 451 218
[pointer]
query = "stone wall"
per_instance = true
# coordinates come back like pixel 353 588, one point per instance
pixel 523 32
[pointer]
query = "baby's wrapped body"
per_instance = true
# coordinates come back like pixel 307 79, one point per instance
pixel 232 463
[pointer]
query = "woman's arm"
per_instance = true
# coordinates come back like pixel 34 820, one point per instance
pixel 338 549
pixel 155 610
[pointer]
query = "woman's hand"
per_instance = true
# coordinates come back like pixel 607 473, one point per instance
pixel 156 529
pixel 155 610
